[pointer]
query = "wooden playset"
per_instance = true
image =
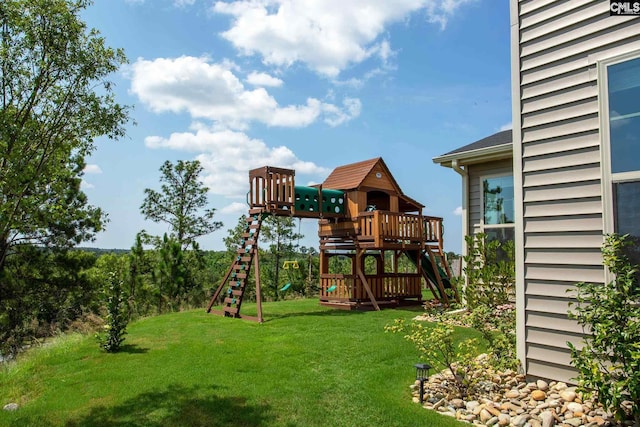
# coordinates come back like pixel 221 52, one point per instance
pixel 362 214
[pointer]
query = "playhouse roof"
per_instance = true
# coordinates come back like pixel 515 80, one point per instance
pixel 351 177
pixel 362 175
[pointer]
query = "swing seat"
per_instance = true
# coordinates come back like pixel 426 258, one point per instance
pixel 285 287
pixel 290 264
pixel 332 288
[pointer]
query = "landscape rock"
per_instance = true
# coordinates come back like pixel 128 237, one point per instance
pixel 504 420
pixel 509 401
pixel 520 420
pixel 485 416
pixel 472 405
pixel 457 403
pixel 538 395
pixel 575 407
pixel 511 394
pixel 10 407
pixel 547 419
pixel 568 395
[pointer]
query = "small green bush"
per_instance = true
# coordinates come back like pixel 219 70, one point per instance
pixel 497 326
pixel 609 362
pixel 117 317
pixel 489 272
pixel 437 345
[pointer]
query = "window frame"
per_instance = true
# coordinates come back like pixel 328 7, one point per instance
pixel 482 178
pixel 608 177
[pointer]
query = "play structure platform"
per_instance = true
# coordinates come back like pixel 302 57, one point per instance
pixel 362 215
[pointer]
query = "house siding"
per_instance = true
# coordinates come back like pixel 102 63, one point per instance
pixel 556 46
pixel 476 172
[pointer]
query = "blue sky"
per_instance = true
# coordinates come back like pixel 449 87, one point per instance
pixel 302 84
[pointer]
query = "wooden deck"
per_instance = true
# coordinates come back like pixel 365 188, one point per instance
pixel 384 229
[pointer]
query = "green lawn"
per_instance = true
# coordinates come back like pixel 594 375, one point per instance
pixel 307 365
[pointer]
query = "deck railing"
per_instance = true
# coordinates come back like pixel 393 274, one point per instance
pixel 343 287
pixel 269 186
pixel 379 226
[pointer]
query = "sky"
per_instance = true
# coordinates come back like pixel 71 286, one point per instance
pixel 308 85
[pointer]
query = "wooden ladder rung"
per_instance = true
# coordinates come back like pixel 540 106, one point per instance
pixel 231 310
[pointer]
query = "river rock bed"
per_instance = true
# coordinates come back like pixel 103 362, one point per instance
pixel 506 399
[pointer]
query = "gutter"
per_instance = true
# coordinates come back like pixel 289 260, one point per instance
pixel 465 214
pixel 476 156
pixel 465 199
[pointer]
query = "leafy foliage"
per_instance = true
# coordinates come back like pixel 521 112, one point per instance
pixel 55 100
pixel 489 272
pixel 609 362
pixel 497 327
pixel 437 345
pixel 42 292
pixel 117 319
pixel 50 115
pixel 181 202
pixel 279 232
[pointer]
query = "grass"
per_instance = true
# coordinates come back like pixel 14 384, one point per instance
pixel 307 365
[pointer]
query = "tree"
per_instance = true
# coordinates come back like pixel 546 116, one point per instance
pixel 180 202
pixel 280 232
pixel 43 292
pixel 55 100
pixel 234 235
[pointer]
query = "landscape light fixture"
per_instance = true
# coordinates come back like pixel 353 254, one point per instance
pixel 422 374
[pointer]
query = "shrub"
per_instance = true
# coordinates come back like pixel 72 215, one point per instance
pixel 490 275
pixel 497 326
pixel 609 362
pixel 436 344
pixel 489 272
pixel 116 319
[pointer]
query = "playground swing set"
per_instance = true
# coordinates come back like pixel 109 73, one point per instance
pixel 362 213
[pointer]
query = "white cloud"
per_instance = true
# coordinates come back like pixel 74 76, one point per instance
pixel 212 91
pixel 234 208
pixel 226 157
pixel 86 185
pixel 176 3
pixel 312 32
pixel 90 168
pixel 183 3
pixel 458 211
pixel 263 79
pixel 507 126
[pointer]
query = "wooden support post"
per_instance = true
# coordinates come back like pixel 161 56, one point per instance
pixel 256 273
pixel 217 292
pixel 364 279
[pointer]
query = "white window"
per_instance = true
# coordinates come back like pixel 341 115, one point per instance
pixel 498 216
pixel 620 92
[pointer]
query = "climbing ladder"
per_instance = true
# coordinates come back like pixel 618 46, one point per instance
pixel 238 273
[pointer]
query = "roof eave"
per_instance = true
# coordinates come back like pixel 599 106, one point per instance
pixel 496 152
